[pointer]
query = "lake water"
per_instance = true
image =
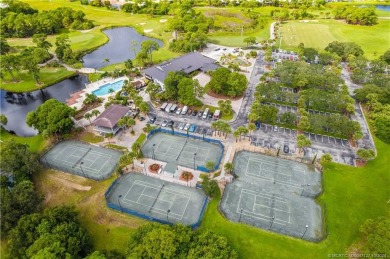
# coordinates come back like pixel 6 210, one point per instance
pixel 383 7
pixel 118 49
pixel 16 108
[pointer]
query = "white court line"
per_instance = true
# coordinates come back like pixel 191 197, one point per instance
pixel 166 190
pixel 259 214
pixel 262 194
pixel 265 218
pixel 276 164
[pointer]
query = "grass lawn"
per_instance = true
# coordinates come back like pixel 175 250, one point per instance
pixel 48 76
pixel 109 229
pixel 91 137
pixel 351 195
pixel 117 147
pixel 141 139
pixel 372 39
pixel 81 41
pixel 35 143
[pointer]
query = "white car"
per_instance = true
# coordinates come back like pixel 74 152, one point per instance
pixel 178 111
pixel 164 123
pixel 181 126
pixel 275 128
pixel 187 126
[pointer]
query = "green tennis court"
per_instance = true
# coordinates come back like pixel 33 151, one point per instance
pixel 275 194
pixel 82 159
pixel 157 200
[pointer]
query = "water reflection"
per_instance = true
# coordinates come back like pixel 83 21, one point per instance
pixel 16 105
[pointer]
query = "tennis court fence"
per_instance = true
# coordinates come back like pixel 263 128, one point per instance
pixel 76 169
pixel 203 138
pixel 120 208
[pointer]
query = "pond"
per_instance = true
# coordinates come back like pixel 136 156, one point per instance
pixel 118 49
pixel 383 7
pixel 16 106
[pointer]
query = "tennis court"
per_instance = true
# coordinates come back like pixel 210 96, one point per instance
pixel 157 200
pixel 181 151
pixel 276 195
pixel 82 159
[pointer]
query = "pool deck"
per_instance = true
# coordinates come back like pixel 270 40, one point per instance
pixel 76 99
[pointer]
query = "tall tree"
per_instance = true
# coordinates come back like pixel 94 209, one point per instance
pixel 52 116
pixel 16 202
pixel 302 142
pixel 148 47
pixel 3 119
pixel 41 41
pixel 17 160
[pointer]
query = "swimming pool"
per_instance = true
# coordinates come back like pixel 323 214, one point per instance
pixel 105 89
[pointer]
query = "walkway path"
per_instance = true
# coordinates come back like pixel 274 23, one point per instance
pixel 366 141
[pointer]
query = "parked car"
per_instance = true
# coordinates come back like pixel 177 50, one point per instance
pixel 189 112
pixel 187 126
pixel 152 120
pixel 178 111
pixel 194 113
pixel 141 118
pixel 276 128
pixel 258 125
pixel 181 126
pixel 192 128
pixel 209 116
pixel 216 49
pixel 164 123
pixel 170 123
pixel 200 113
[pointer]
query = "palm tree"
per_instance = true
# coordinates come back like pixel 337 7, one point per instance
pixel 106 61
pixel 88 116
pixel 144 107
pixel 89 99
pixel 251 127
pixel 95 113
pixel 109 136
pixel 236 133
pixel 121 123
pixel 228 167
pixel 130 122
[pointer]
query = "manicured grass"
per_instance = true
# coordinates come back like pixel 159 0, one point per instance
pixel 141 138
pixel 108 228
pixel 79 40
pixel 117 147
pixel 372 39
pixel 351 195
pixel 48 76
pixel 108 18
pixel 35 143
pixel 91 137
pixel 234 39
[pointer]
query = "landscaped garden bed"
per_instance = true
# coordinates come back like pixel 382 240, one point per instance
pixel 154 168
pixel 186 176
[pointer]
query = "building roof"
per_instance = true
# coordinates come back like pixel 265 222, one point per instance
pixel 110 117
pixel 187 63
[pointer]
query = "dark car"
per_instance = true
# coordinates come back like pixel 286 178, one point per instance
pixel 170 123
pixel 152 120
pixel 194 113
pixel 200 113
pixel 210 115
pixel 258 125
pixel 141 118
pixel 286 149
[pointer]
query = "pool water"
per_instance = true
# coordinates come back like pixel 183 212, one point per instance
pixel 105 89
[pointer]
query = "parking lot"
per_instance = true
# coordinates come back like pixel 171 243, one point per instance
pixel 194 124
pixel 284 108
